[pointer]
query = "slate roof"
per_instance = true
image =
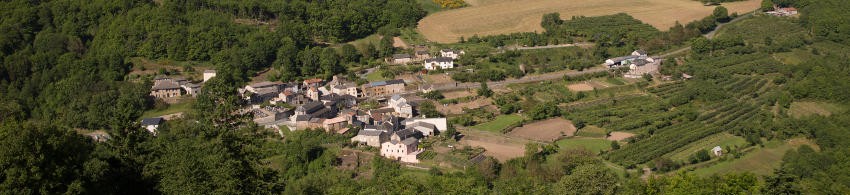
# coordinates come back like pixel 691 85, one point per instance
pixel 401 56
pixel 370 133
pixel 439 60
pixel 310 107
pixel 409 141
pixel 165 84
pixel 152 121
pixel 388 82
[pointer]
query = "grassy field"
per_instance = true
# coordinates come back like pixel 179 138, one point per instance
pixel 760 161
pixel 429 6
pixel 592 144
pixel 592 131
pixel 499 123
pixel 802 109
pixel 794 57
pixel 720 139
pixel 375 76
pixel 492 17
pixel 183 106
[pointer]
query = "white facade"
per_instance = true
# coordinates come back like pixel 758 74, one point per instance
pixel 450 53
pixel 434 64
pixel 439 123
pixel 208 74
pixel 404 151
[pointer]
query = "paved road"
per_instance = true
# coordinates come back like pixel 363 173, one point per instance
pixel 526 79
pixel 582 44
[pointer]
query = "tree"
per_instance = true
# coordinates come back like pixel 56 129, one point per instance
pixel 700 156
pixel 369 51
pixel 484 91
pixel 218 102
pixel 721 14
pixel 551 21
pixel 349 54
pixel 386 46
pixel 615 145
pixel 544 110
pixel 588 179
pixel 39 158
pixel 766 5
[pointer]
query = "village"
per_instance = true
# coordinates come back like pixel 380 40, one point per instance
pixel 380 114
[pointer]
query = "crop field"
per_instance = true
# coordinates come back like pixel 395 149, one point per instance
pixel 802 109
pixel 760 161
pixel 592 131
pixel 500 123
pixel 546 130
pixel 595 145
pixel 492 17
pixel 720 139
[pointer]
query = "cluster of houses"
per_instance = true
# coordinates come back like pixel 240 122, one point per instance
pixel 638 63
pixel 166 88
pixel 782 11
pixel 421 54
pixel 332 105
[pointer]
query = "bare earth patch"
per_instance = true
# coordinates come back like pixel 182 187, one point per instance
pixel 457 94
pixel 458 108
pixel 619 136
pixel 580 87
pixel 492 17
pixel 499 147
pixel 547 130
pixel 397 42
pixel 439 79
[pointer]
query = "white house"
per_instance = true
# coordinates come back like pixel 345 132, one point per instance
pixel 439 123
pixel 346 89
pixel 372 138
pixel 451 53
pixel 152 124
pixel 427 129
pixel 717 151
pixel 401 106
pixel 439 63
pixel 208 74
pixel 404 150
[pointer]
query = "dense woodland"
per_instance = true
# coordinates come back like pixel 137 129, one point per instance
pixel 65 68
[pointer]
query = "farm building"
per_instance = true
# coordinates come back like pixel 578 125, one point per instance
pixel 439 63
pixel 400 59
pixel 451 53
pixel 380 88
pixel 208 74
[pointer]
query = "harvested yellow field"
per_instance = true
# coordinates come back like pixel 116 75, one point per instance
pixel 491 17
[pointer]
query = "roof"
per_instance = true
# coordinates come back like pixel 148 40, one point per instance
pixel 152 121
pixel 370 133
pixel 438 60
pixel 717 148
pixel 310 107
pixel 410 141
pixel 302 118
pixel 617 59
pixel 209 71
pixel 640 62
pixel 313 80
pixel 640 52
pixel 448 50
pixel 423 124
pixel 264 84
pixel 421 52
pixel 396 97
pixel 400 56
pixel 165 84
pixel 389 82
